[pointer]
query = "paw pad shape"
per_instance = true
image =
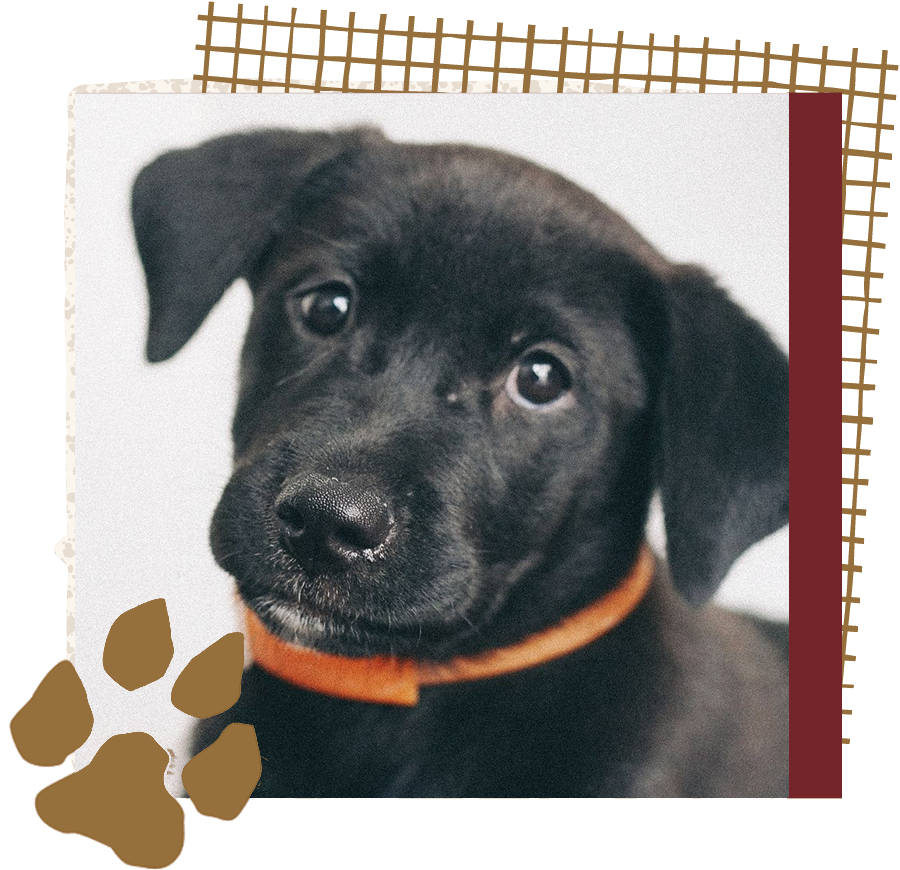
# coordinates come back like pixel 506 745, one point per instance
pixel 119 798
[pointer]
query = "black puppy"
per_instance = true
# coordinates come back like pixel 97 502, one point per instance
pixel 463 380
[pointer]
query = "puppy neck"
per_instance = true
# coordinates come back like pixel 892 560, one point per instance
pixel 391 680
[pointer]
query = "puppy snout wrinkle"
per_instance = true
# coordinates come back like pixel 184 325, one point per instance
pixel 327 516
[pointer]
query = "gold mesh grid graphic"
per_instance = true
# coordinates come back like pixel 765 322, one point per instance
pixel 594 71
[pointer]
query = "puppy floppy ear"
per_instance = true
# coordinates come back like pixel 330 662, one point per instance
pixel 724 439
pixel 201 215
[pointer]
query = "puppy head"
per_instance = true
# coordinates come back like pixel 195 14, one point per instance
pixel 463 379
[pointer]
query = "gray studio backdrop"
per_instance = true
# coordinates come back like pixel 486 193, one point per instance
pixel 704 178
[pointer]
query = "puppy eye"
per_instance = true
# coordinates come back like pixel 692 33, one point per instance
pixel 539 379
pixel 324 310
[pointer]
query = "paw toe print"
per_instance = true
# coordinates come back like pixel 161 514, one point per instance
pixel 119 798
pixel 139 647
pixel 221 778
pixel 56 721
pixel 211 681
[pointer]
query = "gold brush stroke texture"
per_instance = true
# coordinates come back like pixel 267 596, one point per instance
pixel 871 209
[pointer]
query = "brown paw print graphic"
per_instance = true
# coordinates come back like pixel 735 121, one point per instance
pixel 120 798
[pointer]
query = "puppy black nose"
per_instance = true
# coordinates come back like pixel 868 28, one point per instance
pixel 326 516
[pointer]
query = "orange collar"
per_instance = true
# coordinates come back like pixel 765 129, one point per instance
pixel 390 680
